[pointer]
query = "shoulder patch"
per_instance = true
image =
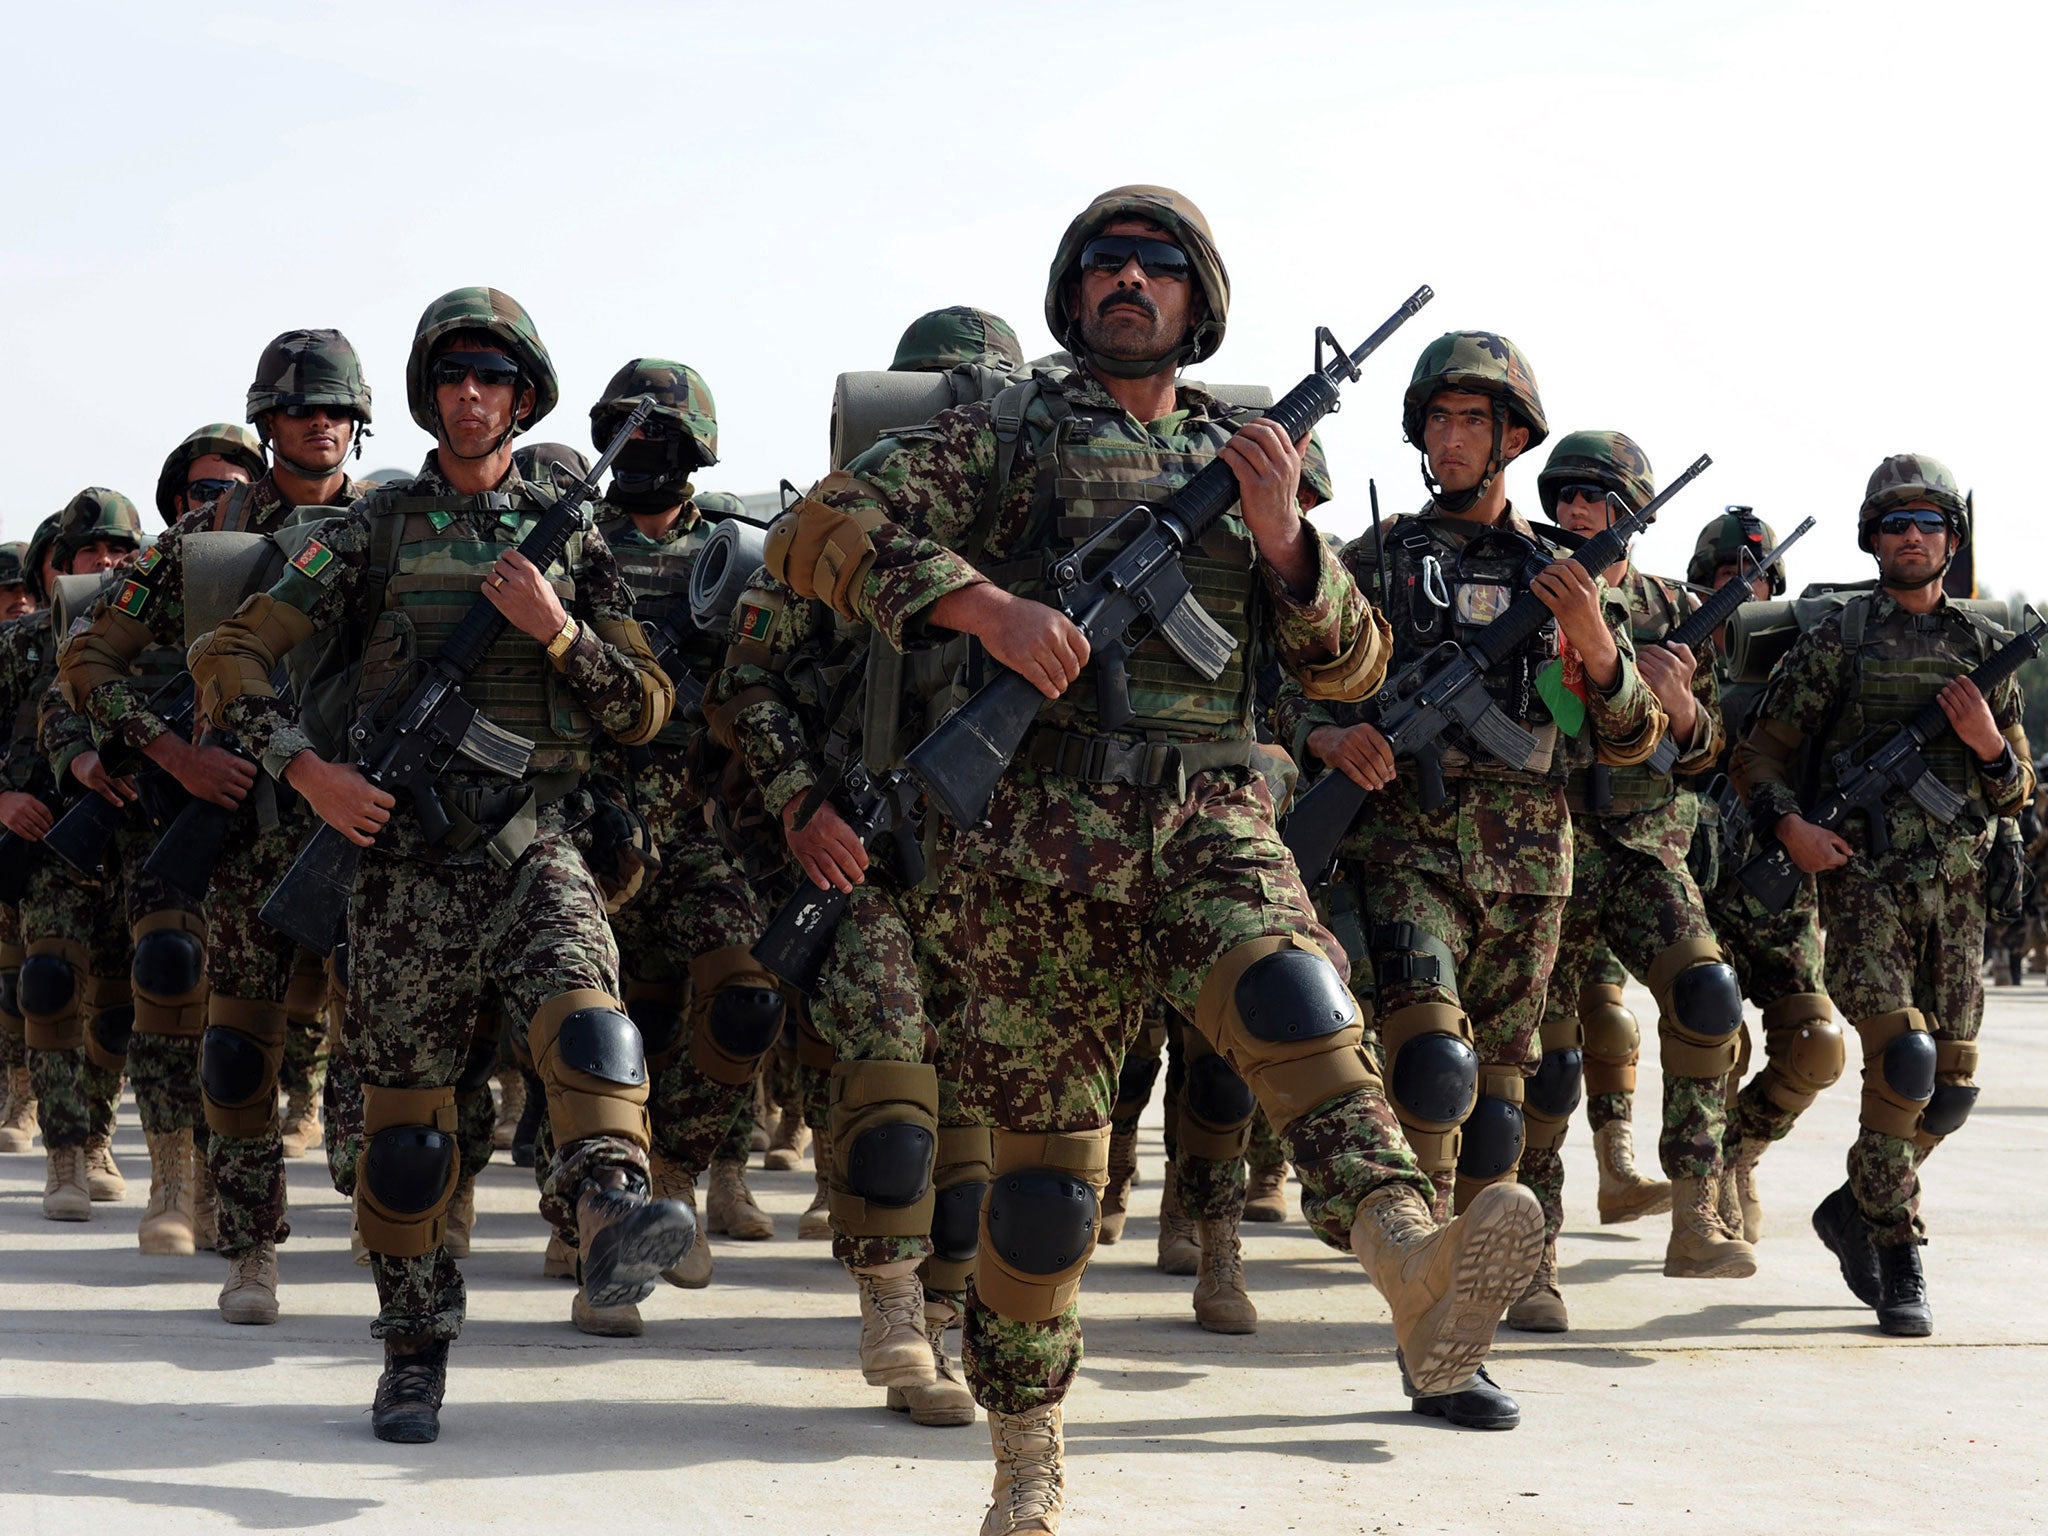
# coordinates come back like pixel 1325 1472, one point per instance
pixel 133 597
pixel 315 560
pixel 755 621
pixel 151 559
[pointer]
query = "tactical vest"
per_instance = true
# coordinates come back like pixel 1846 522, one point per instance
pixel 1653 612
pixel 659 575
pixel 25 768
pixel 440 550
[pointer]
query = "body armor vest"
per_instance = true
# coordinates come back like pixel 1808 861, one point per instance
pixel 445 547
pixel 26 769
pixel 659 576
pixel 1653 612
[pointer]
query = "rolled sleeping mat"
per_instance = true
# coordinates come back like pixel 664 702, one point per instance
pixel 723 570
pixel 75 595
pixel 222 570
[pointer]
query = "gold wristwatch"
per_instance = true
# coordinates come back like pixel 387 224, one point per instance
pixel 564 638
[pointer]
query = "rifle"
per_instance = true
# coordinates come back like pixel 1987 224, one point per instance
pixel 434 726
pixel 19 856
pixel 185 856
pixel 88 825
pixel 663 640
pixel 1707 620
pixel 1447 687
pixel 1118 599
pixel 1899 766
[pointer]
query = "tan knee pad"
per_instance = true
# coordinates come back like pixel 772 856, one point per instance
pixel 722 1052
pixel 1804 1050
pixel 410 1167
pixel 306 993
pixel 1689 1051
pixel 1494 1135
pixel 960 1179
pixel 1549 1097
pixel 1955 1093
pixel 50 1024
pixel 1899 1057
pixel 1039 1223
pixel 109 1017
pixel 659 1008
pixel 883 1120
pixel 239 1058
pixel 1614 1040
pixel 1441 1084
pixel 1295 1054
pixel 162 1006
pixel 1216 1105
pixel 588 1054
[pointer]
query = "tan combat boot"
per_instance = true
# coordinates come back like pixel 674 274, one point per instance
pixel 205 1199
pixel 250 1295
pixel 1741 1209
pixel 816 1221
pixel 1031 1483
pixel 729 1208
pixel 358 1250
pixel 786 1145
pixel 1541 1307
pixel 559 1262
pixel 166 1227
pixel 103 1178
pixel 1179 1252
pixel 1625 1194
pixel 693 1271
pixel 1448 1286
pixel 18 1129
pixel 461 1218
pixel 1221 1305
pixel 1123 1173
pixel 511 1105
pixel 1265 1193
pixel 620 1322
pixel 946 1403
pixel 301 1130
pixel 65 1194
pixel 894 1350
pixel 1702 1246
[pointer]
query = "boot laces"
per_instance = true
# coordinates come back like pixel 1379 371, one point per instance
pixel 413 1379
pixel 1031 1446
pixel 898 1300
pixel 1225 1264
pixel 248 1269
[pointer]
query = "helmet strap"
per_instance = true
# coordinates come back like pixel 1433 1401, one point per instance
pixel 1455 502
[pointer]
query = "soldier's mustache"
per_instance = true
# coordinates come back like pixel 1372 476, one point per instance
pixel 1135 300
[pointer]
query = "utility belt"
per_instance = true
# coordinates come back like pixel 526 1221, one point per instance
pixel 503 818
pixel 1146 764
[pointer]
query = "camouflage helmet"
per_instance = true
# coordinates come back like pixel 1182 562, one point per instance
pixel 499 315
pixel 680 396
pixel 1610 460
pixel 1724 541
pixel 14 564
pixel 1482 363
pixel 1181 219
pixel 40 543
pixel 1906 477
pixel 229 440
pixel 96 513
pixel 309 368
pixel 532 458
pixel 959 335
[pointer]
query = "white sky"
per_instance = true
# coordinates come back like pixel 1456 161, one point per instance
pixel 1795 237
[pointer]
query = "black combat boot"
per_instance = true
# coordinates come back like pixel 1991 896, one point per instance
pixel 1902 1309
pixel 626 1239
pixel 1838 1223
pixel 527 1132
pixel 407 1409
pixel 1478 1404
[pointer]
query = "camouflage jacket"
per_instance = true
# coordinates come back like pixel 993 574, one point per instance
pixel 1813 691
pixel 762 704
pixel 28 664
pixel 1498 830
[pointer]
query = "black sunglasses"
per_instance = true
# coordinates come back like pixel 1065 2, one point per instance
pixel 489 368
pixel 1110 253
pixel 1580 491
pixel 1896 523
pixel 197 491
pixel 331 412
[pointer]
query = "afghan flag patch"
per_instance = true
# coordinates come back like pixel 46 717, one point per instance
pixel 755 621
pixel 313 559
pixel 132 599
pixel 151 559
pixel 1562 686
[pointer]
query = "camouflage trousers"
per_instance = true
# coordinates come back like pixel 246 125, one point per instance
pixel 1602 970
pixel 1209 1187
pixel 476 1115
pixel 426 941
pixel 1776 954
pixel 1060 984
pixel 13 1048
pixel 1893 946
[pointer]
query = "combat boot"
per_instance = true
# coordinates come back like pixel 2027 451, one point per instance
pixel 1840 1225
pixel 527 1132
pixel 1625 1194
pixel 894 1351
pixel 1123 1173
pixel 18 1129
pixel 620 1322
pixel 1031 1483
pixel 1540 1309
pixel 103 1178
pixel 301 1131
pixel 1741 1210
pixel 625 1240
pixel 946 1403
pixel 1179 1252
pixel 166 1227
pixel 786 1146
pixel 559 1262
pixel 1447 1286
pixel 407 1409
pixel 65 1194
pixel 1221 1304
pixel 250 1295
pixel 205 1199
pixel 1702 1246
pixel 1265 1193
pixel 693 1271
pixel 358 1250
pixel 1902 1309
pixel 511 1108
pixel 729 1208
pixel 461 1218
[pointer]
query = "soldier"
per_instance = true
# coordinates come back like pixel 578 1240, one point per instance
pixel 309 405
pixel 1776 955
pixel 16 598
pixel 1905 927
pixel 1114 864
pixel 207 466
pixel 1632 891
pixel 1610 1042
pixel 503 898
pixel 24 781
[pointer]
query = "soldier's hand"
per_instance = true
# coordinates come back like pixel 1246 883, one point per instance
pixel 1359 750
pixel 341 797
pixel 518 590
pixel 1813 848
pixel 92 773
pixel 1570 592
pixel 1669 670
pixel 1972 719
pixel 208 773
pixel 1038 641
pixel 25 815
pixel 1268 471
pixel 825 846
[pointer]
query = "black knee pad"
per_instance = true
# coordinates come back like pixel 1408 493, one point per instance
pixel 1293 994
pixel 956 1222
pixel 1135 1078
pixel 112 1028
pixel 169 962
pixel 1949 1107
pixel 1216 1095
pixel 407 1167
pixel 1493 1139
pixel 1555 1088
pixel 1909 1064
pixel 1042 1220
pixel 1707 999
pixel 745 1021
pixel 48 985
pixel 477 1067
pixel 232 1067
pixel 604 1043
pixel 891 1164
pixel 1433 1078
pixel 659 1020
